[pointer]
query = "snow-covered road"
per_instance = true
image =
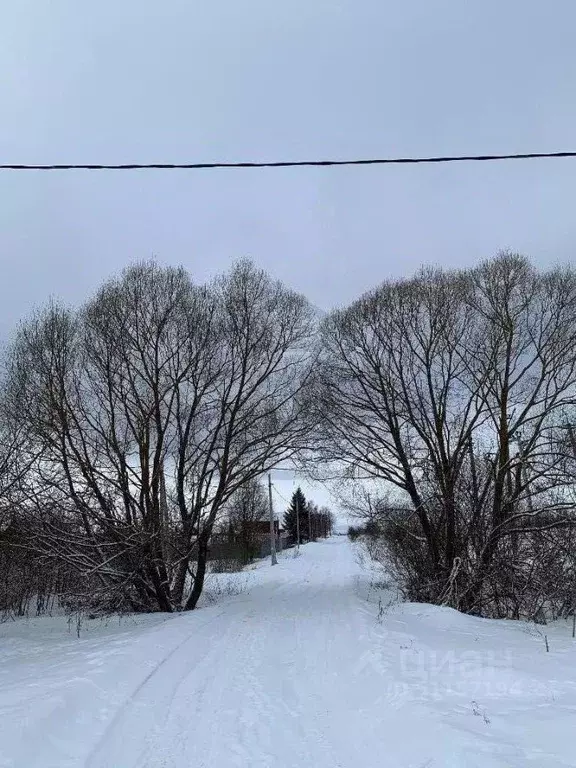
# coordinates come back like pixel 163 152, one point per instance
pixel 267 681
pixel 302 669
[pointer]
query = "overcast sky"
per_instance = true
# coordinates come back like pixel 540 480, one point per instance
pixel 224 80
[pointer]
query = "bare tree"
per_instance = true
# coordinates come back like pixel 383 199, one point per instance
pixel 325 522
pixel 525 365
pixel 150 408
pixel 27 581
pixel 394 402
pixel 448 387
pixel 247 507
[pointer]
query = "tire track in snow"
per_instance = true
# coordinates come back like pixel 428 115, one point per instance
pixel 146 703
pixel 256 685
pixel 92 759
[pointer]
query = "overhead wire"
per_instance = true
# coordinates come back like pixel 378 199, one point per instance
pixel 281 163
pixel 279 494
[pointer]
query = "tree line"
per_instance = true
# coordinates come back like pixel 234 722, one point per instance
pixel 443 405
pixel 305 521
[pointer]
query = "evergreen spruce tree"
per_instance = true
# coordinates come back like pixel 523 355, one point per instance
pixel 298 502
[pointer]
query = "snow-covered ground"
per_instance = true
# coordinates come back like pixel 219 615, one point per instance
pixel 309 667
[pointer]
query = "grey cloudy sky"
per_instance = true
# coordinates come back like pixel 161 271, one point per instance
pixel 224 80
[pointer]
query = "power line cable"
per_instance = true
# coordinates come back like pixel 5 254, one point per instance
pixel 282 164
pixel 279 494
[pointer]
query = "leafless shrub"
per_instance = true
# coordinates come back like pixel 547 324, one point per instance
pixel 218 588
pixel 226 565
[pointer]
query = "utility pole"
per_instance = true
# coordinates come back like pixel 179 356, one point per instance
pixel 273 560
pixel 309 523
pixel 297 523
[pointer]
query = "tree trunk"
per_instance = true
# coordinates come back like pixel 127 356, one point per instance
pixel 200 574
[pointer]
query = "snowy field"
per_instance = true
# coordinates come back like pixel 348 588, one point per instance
pixel 310 666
